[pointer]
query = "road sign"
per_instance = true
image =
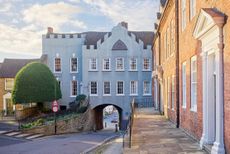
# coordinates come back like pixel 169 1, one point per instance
pixel 55 106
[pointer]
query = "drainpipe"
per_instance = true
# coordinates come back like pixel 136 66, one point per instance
pixel 177 64
pixel 159 87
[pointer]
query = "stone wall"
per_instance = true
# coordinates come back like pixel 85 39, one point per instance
pixel 83 122
pixel 24 113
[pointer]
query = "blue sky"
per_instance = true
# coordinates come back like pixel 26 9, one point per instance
pixel 22 22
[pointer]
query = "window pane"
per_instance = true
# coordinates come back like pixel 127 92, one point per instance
pixel 107 88
pixel 106 64
pixel 133 64
pixel 57 64
pixel 93 87
pixel 146 87
pixel 146 64
pixel 120 65
pixel 120 87
pixel 73 64
pixel 74 88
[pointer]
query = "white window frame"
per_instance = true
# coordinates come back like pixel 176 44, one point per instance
pixel 193 82
pixel 71 88
pixel 123 67
pixel 149 68
pixel 11 80
pixel 131 62
pixel 192 8
pixel 104 64
pixel 91 87
pixel 144 93
pixel 184 86
pixel 173 92
pixel 90 64
pixel 109 88
pixel 183 14
pixel 133 88
pixel 55 65
pixel 123 88
pixel 71 71
pixel 169 92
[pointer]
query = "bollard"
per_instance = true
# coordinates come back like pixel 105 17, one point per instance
pixel 105 124
pixel 116 128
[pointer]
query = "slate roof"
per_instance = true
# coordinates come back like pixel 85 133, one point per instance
pixel 10 67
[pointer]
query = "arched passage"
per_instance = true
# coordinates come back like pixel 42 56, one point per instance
pixel 99 115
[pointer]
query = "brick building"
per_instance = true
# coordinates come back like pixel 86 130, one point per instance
pixel 8 71
pixel 201 63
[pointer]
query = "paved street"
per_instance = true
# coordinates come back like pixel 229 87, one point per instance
pixel 67 144
pixel 7 124
pixel 159 136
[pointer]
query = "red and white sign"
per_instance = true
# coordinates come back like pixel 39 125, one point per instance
pixel 55 106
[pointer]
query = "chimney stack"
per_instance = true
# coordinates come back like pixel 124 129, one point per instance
pixel 50 30
pixel 124 24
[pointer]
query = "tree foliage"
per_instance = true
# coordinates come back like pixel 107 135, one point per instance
pixel 35 83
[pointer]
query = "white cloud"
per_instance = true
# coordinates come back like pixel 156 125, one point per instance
pixel 5 6
pixel 53 14
pixel 19 41
pixel 139 14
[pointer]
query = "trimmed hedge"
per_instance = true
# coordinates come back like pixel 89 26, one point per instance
pixel 35 83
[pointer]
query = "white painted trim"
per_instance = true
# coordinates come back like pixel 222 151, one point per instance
pixel 123 69
pixel 130 62
pixel 147 94
pixel 149 69
pixel 103 69
pixel 193 104
pixel 184 99
pixel 90 69
pixel 133 94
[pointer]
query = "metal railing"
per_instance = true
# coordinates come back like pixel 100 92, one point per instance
pixel 129 130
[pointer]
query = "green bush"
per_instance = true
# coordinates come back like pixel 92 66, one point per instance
pixel 82 109
pixel 81 97
pixel 35 83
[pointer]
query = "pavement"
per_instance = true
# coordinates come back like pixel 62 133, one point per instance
pixel 153 134
pixel 59 144
pixel 8 124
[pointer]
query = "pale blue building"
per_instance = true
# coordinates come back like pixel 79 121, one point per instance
pixel 110 67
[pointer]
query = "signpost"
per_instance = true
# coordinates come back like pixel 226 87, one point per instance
pixel 55 109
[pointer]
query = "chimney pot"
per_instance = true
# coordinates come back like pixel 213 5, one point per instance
pixel 124 24
pixel 49 30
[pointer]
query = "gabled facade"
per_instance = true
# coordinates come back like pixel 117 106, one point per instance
pixel 113 67
pixel 8 71
pixel 203 48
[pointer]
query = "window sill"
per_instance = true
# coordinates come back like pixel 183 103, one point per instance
pixel 93 70
pixel 133 70
pixel 93 95
pixel 106 70
pixel 73 96
pixel 183 107
pixel 58 72
pixel 120 70
pixel 146 70
pixel 106 94
pixel 120 94
pixel 133 94
pixel 193 109
pixel 147 94
pixel 73 72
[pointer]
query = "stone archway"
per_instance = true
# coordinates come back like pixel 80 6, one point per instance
pixel 98 110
